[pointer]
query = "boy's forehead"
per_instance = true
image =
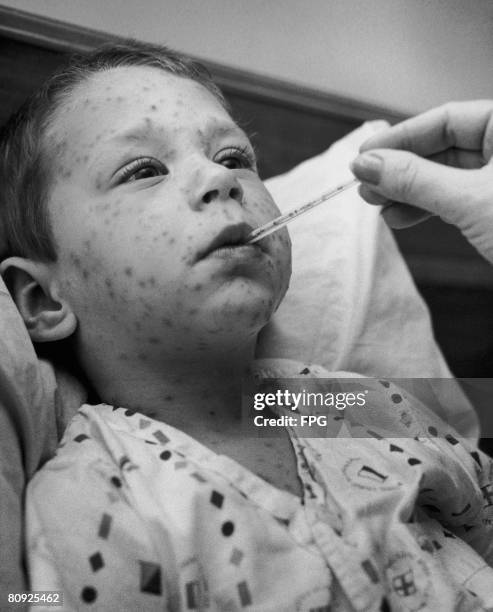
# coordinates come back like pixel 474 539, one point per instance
pixel 151 89
pixel 130 102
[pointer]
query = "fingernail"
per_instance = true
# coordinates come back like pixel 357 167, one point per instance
pixel 368 167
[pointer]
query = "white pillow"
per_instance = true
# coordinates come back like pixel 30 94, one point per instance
pixel 352 304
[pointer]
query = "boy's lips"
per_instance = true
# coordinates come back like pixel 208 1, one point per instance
pixel 230 236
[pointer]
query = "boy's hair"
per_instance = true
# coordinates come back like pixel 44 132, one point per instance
pixel 25 176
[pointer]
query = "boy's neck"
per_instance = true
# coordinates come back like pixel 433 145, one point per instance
pixel 195 396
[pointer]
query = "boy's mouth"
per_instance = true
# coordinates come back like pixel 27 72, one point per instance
pixel 230 237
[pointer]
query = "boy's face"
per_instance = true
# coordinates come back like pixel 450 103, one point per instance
pixel 154 185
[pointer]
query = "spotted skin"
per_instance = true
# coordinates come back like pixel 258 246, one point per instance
pixel 148 169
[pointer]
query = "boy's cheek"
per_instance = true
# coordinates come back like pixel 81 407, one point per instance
pixel 262 208
pixel 281 248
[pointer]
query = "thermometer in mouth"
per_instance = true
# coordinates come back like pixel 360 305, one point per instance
pixel 276 224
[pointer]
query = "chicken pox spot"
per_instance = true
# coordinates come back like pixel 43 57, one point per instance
pixel 197 287
pixel 255 317
pixel 153 340
pixel 142 284
pixel 153 107
pixel 85 273
pixel 128 271
pixel 62 147
pixel 103 206
pixel 167 322
pixel 67 284
pixel 148 308
pixel 202 139
pixel 142 357
pixel 169 398
pixel 75 260
pixel 172 240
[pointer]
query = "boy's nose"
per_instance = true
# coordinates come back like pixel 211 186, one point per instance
pixel 218 184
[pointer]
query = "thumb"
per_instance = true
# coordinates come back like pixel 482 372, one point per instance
pixel 404 177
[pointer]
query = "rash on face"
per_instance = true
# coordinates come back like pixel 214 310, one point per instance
pixel 134 250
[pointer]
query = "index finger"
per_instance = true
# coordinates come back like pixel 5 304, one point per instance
pixel 463 125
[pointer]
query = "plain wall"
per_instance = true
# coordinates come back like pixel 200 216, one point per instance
pixel 406 55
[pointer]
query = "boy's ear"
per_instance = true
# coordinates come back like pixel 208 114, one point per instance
pixel 47 316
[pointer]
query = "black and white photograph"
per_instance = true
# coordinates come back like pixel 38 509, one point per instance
pixel 246 305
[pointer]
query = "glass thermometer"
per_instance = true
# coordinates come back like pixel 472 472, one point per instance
pixel 276 224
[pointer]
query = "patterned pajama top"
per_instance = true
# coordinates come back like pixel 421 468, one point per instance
pixel 134 515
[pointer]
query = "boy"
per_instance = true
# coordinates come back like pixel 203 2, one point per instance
pixel 131 194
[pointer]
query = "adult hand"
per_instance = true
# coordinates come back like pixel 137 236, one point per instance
pixel 438 163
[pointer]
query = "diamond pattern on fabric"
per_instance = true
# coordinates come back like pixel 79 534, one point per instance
pixel 150 578
pixel 244 593
pixel 96 561
pixel 217 499
pixel 236 556
pixel 105 526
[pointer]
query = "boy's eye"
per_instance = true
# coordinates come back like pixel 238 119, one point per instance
pixel 236 158
pixel 143 168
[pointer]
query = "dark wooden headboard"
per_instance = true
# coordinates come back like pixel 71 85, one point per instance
pixel 290 124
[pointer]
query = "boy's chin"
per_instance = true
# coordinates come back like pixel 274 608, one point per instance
pixel 244 317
